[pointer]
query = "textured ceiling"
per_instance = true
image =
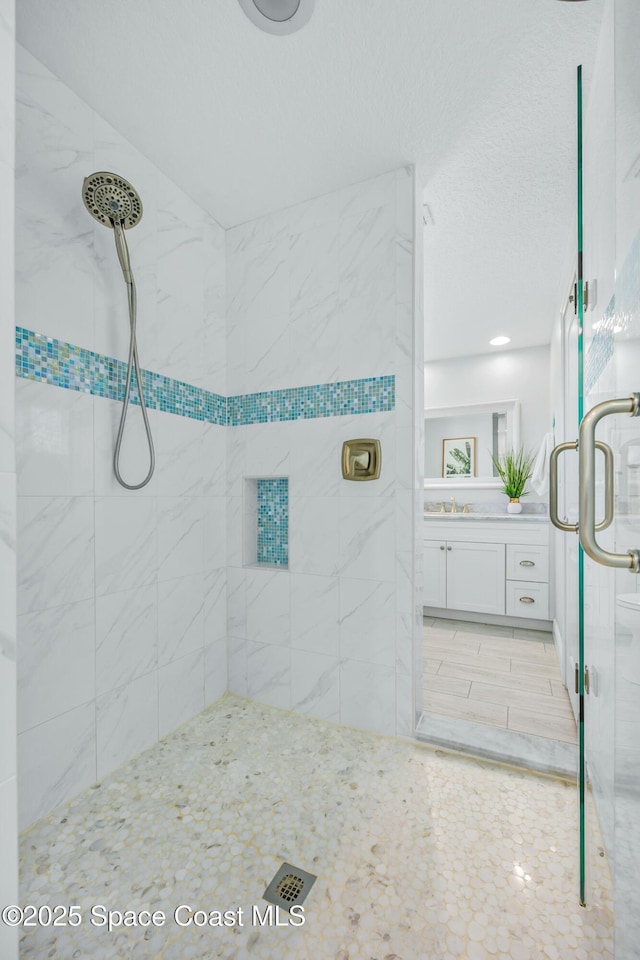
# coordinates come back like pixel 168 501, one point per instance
pixel 479 93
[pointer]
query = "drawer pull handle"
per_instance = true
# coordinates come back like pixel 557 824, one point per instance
pixel 527 563
pixel 527 600
pixel 449 548
pixel 442 548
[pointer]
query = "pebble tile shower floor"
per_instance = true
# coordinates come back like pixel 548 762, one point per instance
pixel 420 855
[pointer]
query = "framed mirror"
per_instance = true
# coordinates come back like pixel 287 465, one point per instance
pixel 459 442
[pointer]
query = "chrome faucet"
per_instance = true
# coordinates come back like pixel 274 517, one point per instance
pixel 454 505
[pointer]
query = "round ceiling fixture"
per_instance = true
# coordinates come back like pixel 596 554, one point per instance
pixel 499 341
pixel 278 16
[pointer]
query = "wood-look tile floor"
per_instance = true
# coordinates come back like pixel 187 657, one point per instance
pixel 502 676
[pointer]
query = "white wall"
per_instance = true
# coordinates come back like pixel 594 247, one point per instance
pixel 122 595
pixel 8 791
pixel 522 375
pixel 323 292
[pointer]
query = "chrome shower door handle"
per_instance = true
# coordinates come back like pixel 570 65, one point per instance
pixel 586 484
pixel 607 520
pixel 609 496
pixel 553 487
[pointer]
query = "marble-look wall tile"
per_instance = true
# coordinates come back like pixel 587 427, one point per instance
pixel 7 626
pixel 316 451
pixel 56 661
pixel 215 670
pixel 215 606
pixel 258 283
pixel 367 620
pixel 180 537
pixel 125 543
pixel 367 538
pixel 181 262
pixel 56 760
pixel 126 636
pixel 269 674
pixel 260 353
pixel 240 531
pixel 214 460
pixel 355 198
pixel 9 867
pixel 367 696
pixel 7 405
pixel 268 600
pixel 267 452
pixel 213 359
pixel 215 286
pixel 314 535
pixel 55 560
pixel 236 603
pixel 126 722
pixel 9 864
pixel 7 72
pixel 351 303
pixel 180 618
pixel 216 517
pixel 315 614
pixel 54 147
pixel 68 262
pixel 404 236
pixel 255 233
pixel 180 690
pixel 8 783
pixel 237 666
pixel 178 456
pixel 315 684
pixel 54 441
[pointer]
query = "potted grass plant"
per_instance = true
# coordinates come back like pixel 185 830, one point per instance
pixel 514 469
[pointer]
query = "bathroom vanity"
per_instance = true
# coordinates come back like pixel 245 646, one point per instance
pixel 487 565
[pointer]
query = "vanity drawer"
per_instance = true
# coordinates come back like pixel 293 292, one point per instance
pixel 527 599
pixel 527 562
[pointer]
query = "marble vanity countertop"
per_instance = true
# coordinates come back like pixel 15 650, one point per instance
pixel 510 517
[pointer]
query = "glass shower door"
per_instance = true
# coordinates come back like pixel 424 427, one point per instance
pixel 610 333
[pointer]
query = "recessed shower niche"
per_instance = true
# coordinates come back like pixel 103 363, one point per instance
pixel 266 522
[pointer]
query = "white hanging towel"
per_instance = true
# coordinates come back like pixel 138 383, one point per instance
pixel 540 475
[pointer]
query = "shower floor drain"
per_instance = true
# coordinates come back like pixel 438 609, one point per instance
pixel 290 887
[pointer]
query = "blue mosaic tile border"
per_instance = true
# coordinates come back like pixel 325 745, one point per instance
pixel 370 395
pixel 48 360
pixel 273 521
pixel 65 365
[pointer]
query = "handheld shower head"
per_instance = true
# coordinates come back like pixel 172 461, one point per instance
pixel 111 199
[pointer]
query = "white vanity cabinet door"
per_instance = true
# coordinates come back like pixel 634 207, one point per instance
pixel 434 574
pixel 476 577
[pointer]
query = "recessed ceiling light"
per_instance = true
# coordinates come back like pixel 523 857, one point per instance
pixel 278 16
pixel 499 341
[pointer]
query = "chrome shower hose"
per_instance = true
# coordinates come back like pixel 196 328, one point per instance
pixel 132 365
